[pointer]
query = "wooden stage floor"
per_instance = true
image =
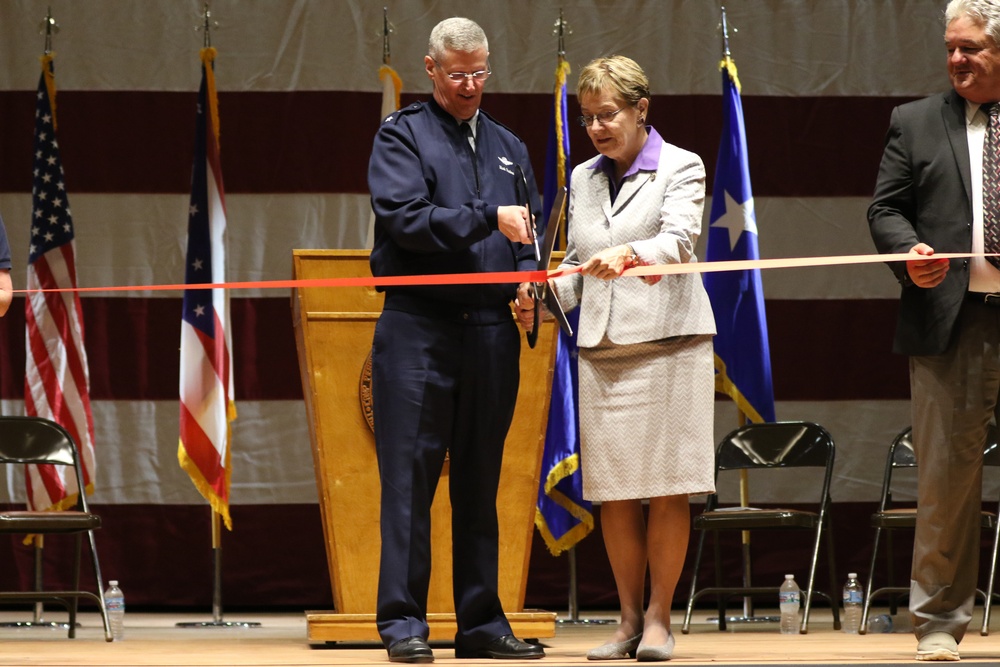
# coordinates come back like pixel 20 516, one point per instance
pixel 280 641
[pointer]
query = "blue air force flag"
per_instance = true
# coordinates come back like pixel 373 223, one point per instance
pixel 742 355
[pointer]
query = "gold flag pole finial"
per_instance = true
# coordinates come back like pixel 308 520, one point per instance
pixel 206 25
pixel 561 29
pixel 387 29
pixel 48 27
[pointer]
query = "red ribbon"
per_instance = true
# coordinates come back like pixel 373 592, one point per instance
pixel 523 276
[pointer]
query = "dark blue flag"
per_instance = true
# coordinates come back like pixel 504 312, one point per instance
pixel 742 354
pixel 562 516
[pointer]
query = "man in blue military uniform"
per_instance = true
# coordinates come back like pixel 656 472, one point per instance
pixel 445 358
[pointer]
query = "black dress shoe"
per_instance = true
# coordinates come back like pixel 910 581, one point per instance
pixel 507 647
pixel 411 649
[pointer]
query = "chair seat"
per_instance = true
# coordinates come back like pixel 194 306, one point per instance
pixel 738 518
pixel 906 517
pixel 69 521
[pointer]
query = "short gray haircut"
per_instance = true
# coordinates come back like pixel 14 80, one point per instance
pixel 983 13
pixel 456 34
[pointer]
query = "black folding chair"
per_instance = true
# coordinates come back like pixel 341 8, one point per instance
pixel 32 440
pixel 786 446
pixel 892 515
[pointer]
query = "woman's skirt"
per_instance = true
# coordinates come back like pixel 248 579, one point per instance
pixel 647 419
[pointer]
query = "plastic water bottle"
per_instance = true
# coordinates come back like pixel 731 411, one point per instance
pixel 789 597
pixel 852 605
pixel 881 624
pixel 114 602
pixel 884 624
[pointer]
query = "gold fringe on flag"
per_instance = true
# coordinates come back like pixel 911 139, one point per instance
pixel 218 505
pixel 397 83
pixel 208 59
pixel 562 72
pixel 725 385
pixel 50 83
pixel 729 65
pixel 565 468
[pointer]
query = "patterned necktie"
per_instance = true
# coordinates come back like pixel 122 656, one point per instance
pixel 991 185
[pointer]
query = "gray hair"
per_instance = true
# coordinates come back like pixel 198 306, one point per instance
pixel 456 34
pixel 983 13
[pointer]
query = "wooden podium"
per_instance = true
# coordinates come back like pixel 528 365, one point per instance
pixel 334 327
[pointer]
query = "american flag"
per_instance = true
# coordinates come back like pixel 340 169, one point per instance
pixel 57 380
pixel 206 378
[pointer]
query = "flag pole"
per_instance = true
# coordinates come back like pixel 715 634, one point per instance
pixel 742 419
pixel 216 517
pixel 48 27
pixel 386 29
pixel 560 30
pixel 391 88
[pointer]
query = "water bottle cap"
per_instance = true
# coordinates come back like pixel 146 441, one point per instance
pixel 113 582
pixel 852 575
pixel 789 576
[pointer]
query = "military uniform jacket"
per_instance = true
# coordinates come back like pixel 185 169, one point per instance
pixel 436 203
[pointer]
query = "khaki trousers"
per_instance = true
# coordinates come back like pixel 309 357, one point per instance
pixel 954 397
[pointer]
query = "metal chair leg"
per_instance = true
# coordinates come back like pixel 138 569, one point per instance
pixel 721 601
pixel 866 607
pixel 988 602
pixel 831 562
pixel 686 626
pixel 812 581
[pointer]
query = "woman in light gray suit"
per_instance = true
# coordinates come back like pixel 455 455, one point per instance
pixel 646 360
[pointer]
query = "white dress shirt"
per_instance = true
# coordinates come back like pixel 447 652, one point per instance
pixel 983 276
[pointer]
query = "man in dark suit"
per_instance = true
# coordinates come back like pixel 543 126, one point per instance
pixel 929 198
pixel 445 357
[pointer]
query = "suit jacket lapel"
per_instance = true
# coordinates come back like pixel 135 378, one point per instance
pixel 953 113
pixel 631 188
pixel 603 192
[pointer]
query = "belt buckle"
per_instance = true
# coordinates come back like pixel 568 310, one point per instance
pixel 991 299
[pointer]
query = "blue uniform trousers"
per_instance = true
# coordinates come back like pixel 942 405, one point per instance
pixel 442 385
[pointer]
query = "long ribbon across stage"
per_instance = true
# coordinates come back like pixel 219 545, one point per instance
pixel 524 276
